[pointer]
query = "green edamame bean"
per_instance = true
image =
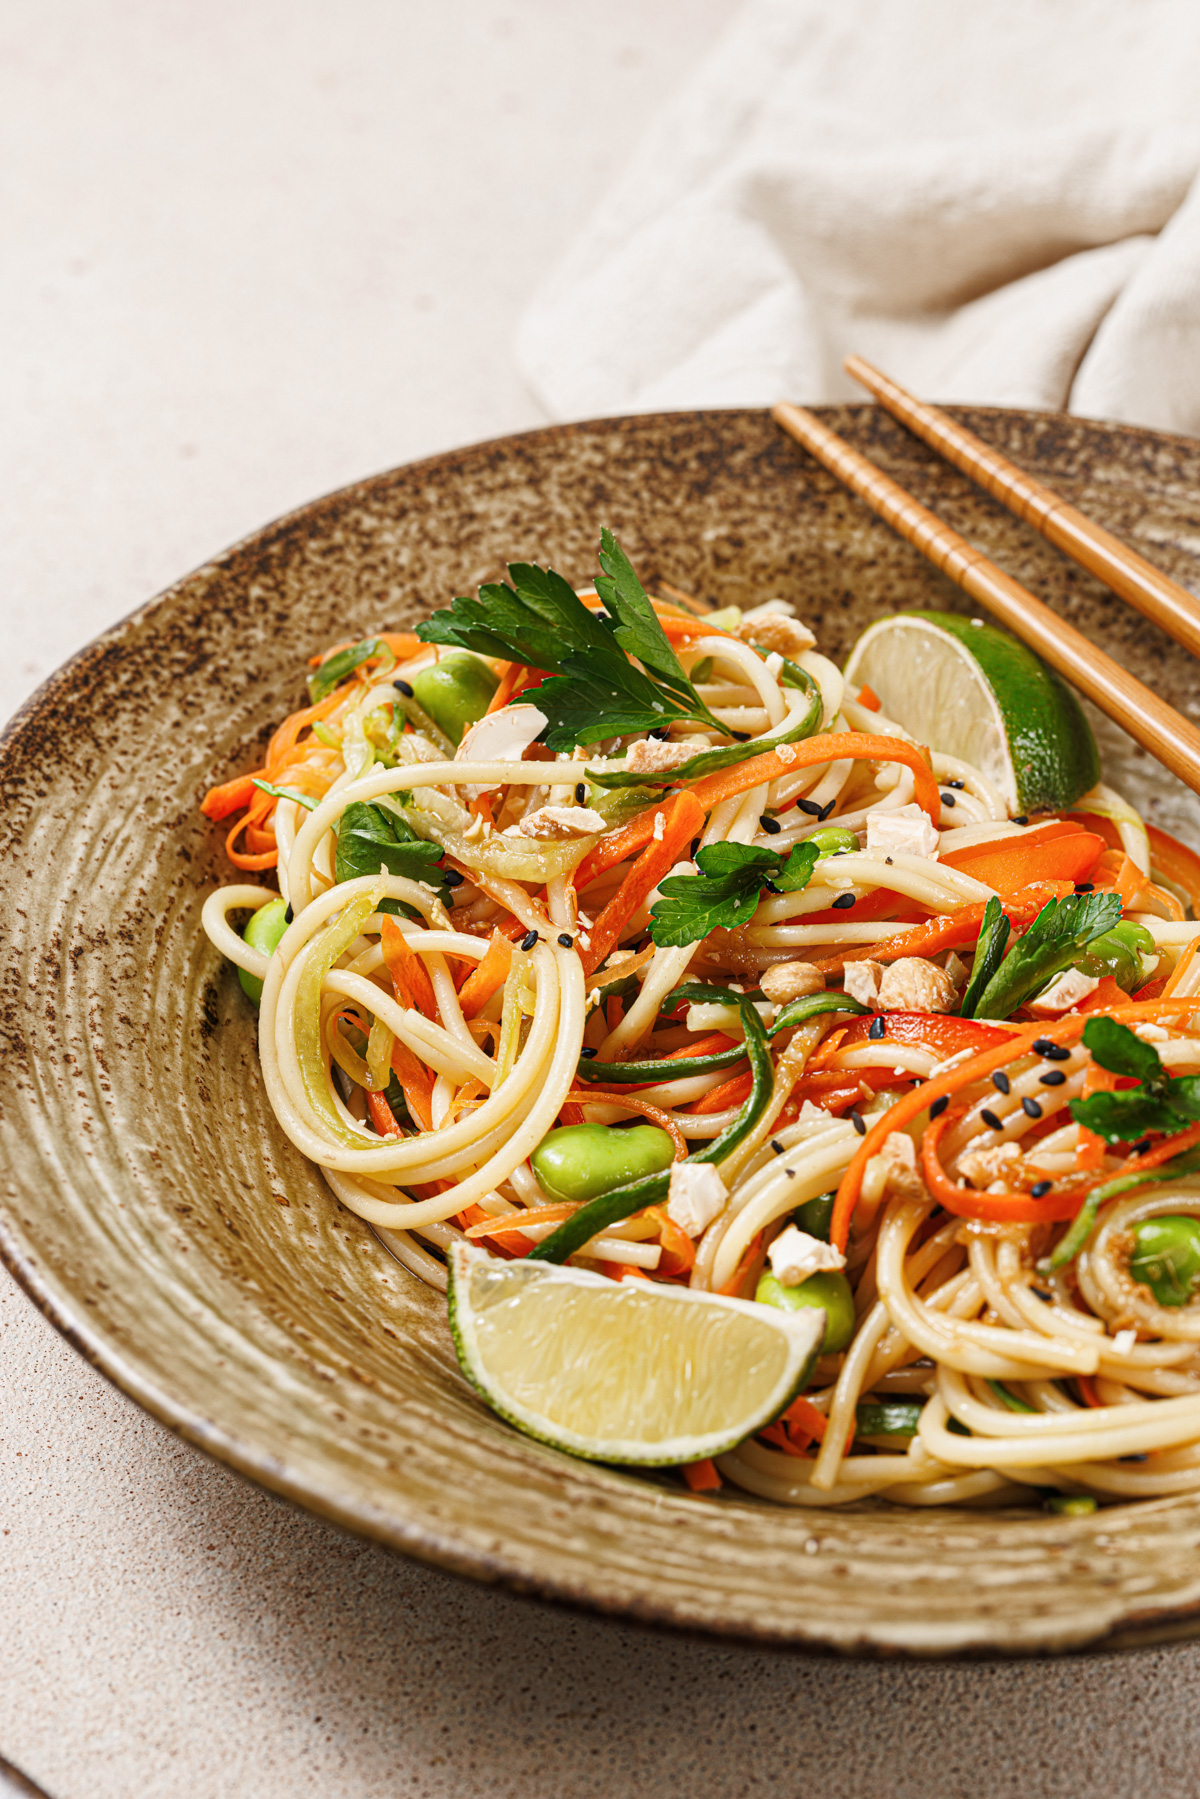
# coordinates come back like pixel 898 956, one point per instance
pixel 815 1216
pixel 832 1292
pixel 1166 1257
pixel 582 1161
pixel 263 931
pixel 832 838
pixel 1115 953
pixel 1135 935
pixel 456 692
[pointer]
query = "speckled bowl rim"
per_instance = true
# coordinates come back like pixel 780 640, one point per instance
pixel 1139 1629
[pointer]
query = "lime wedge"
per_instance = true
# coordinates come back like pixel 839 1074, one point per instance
pixel 628 1371
pixel 970 690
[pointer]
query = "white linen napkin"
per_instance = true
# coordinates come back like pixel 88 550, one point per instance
pixel 996 202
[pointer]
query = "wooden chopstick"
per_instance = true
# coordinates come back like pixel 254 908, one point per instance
pixel 1148 719
pixel 1068 529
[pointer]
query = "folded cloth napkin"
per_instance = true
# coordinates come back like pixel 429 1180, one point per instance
pixel 997 202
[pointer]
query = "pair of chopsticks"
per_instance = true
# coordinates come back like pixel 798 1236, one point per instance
pixel 1126 700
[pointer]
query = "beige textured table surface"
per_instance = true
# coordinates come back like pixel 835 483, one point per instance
pixel 252 250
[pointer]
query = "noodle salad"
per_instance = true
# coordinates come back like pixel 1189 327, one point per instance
pixel 619 936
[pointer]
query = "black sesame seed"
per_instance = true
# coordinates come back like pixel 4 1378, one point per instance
pixel 1053 1052
pixel 860 1124
pixel 567 941
pixel 810 807
pixel 939 1106
pixel 740 736
pixel 823 814
pixel 791 1173
pixel 588 1055
pixel 990 1119
pixel 771 826
pixel 959 784
pixel 529 939
pixel 1021 820
pixel 1038 1290
pixel 1139 1149
pixel 1040 1189
pixel 580 793
pixel 1085 886
pixel 1000 1081
pixel 404 688
pixel 877 1030
pixel 948 799
pixel 288 915
pixel 777 1146
pixel 1030 1107
pixel 1053 1077
pixel 452 878
pixel 843 902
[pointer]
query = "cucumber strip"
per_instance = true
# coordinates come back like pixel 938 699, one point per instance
pixel 709 761
pixel 609 1208
pixel 622 1073
pixel 799 1011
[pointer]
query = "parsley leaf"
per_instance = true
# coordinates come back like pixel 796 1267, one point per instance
pixel 372 837
pixel 638 631
pixel 285 793
pixel 334 669
pixel 1157 1103
pixel 1055 938
pixel 595 690
pixel 1115 1047
pixel 989 951
pixel 726 891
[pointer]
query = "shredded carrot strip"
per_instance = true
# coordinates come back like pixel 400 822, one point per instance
pixel 382 1116
pixel 733 1285
pixel 632 1103
pixel 870 699
pixel 1087 1388
pixel 517 1221
pixel 683 820
pixel 678 1250
pixel 410 977
pixel 1118 873
pixel 953 930
pixel 778 1436
pixel 701 1477
pixel 729 1093
pixel 417 1083
pixel 487 977
pixel 508 682
pixel 231 796
pixel 999 1208
pixel 803 1412
pixel 1089 1148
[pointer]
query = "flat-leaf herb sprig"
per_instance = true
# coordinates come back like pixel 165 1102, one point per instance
pixel 1157 1103
pixel 1056 937
pixel 726 892
pixel 596 689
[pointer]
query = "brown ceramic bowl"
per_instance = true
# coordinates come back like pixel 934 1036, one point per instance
pixel 154 1210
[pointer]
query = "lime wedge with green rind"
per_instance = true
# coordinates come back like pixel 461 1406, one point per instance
pixel 968 689
pixel 624 1371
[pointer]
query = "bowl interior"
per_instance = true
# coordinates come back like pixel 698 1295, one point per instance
pixel 153 1208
